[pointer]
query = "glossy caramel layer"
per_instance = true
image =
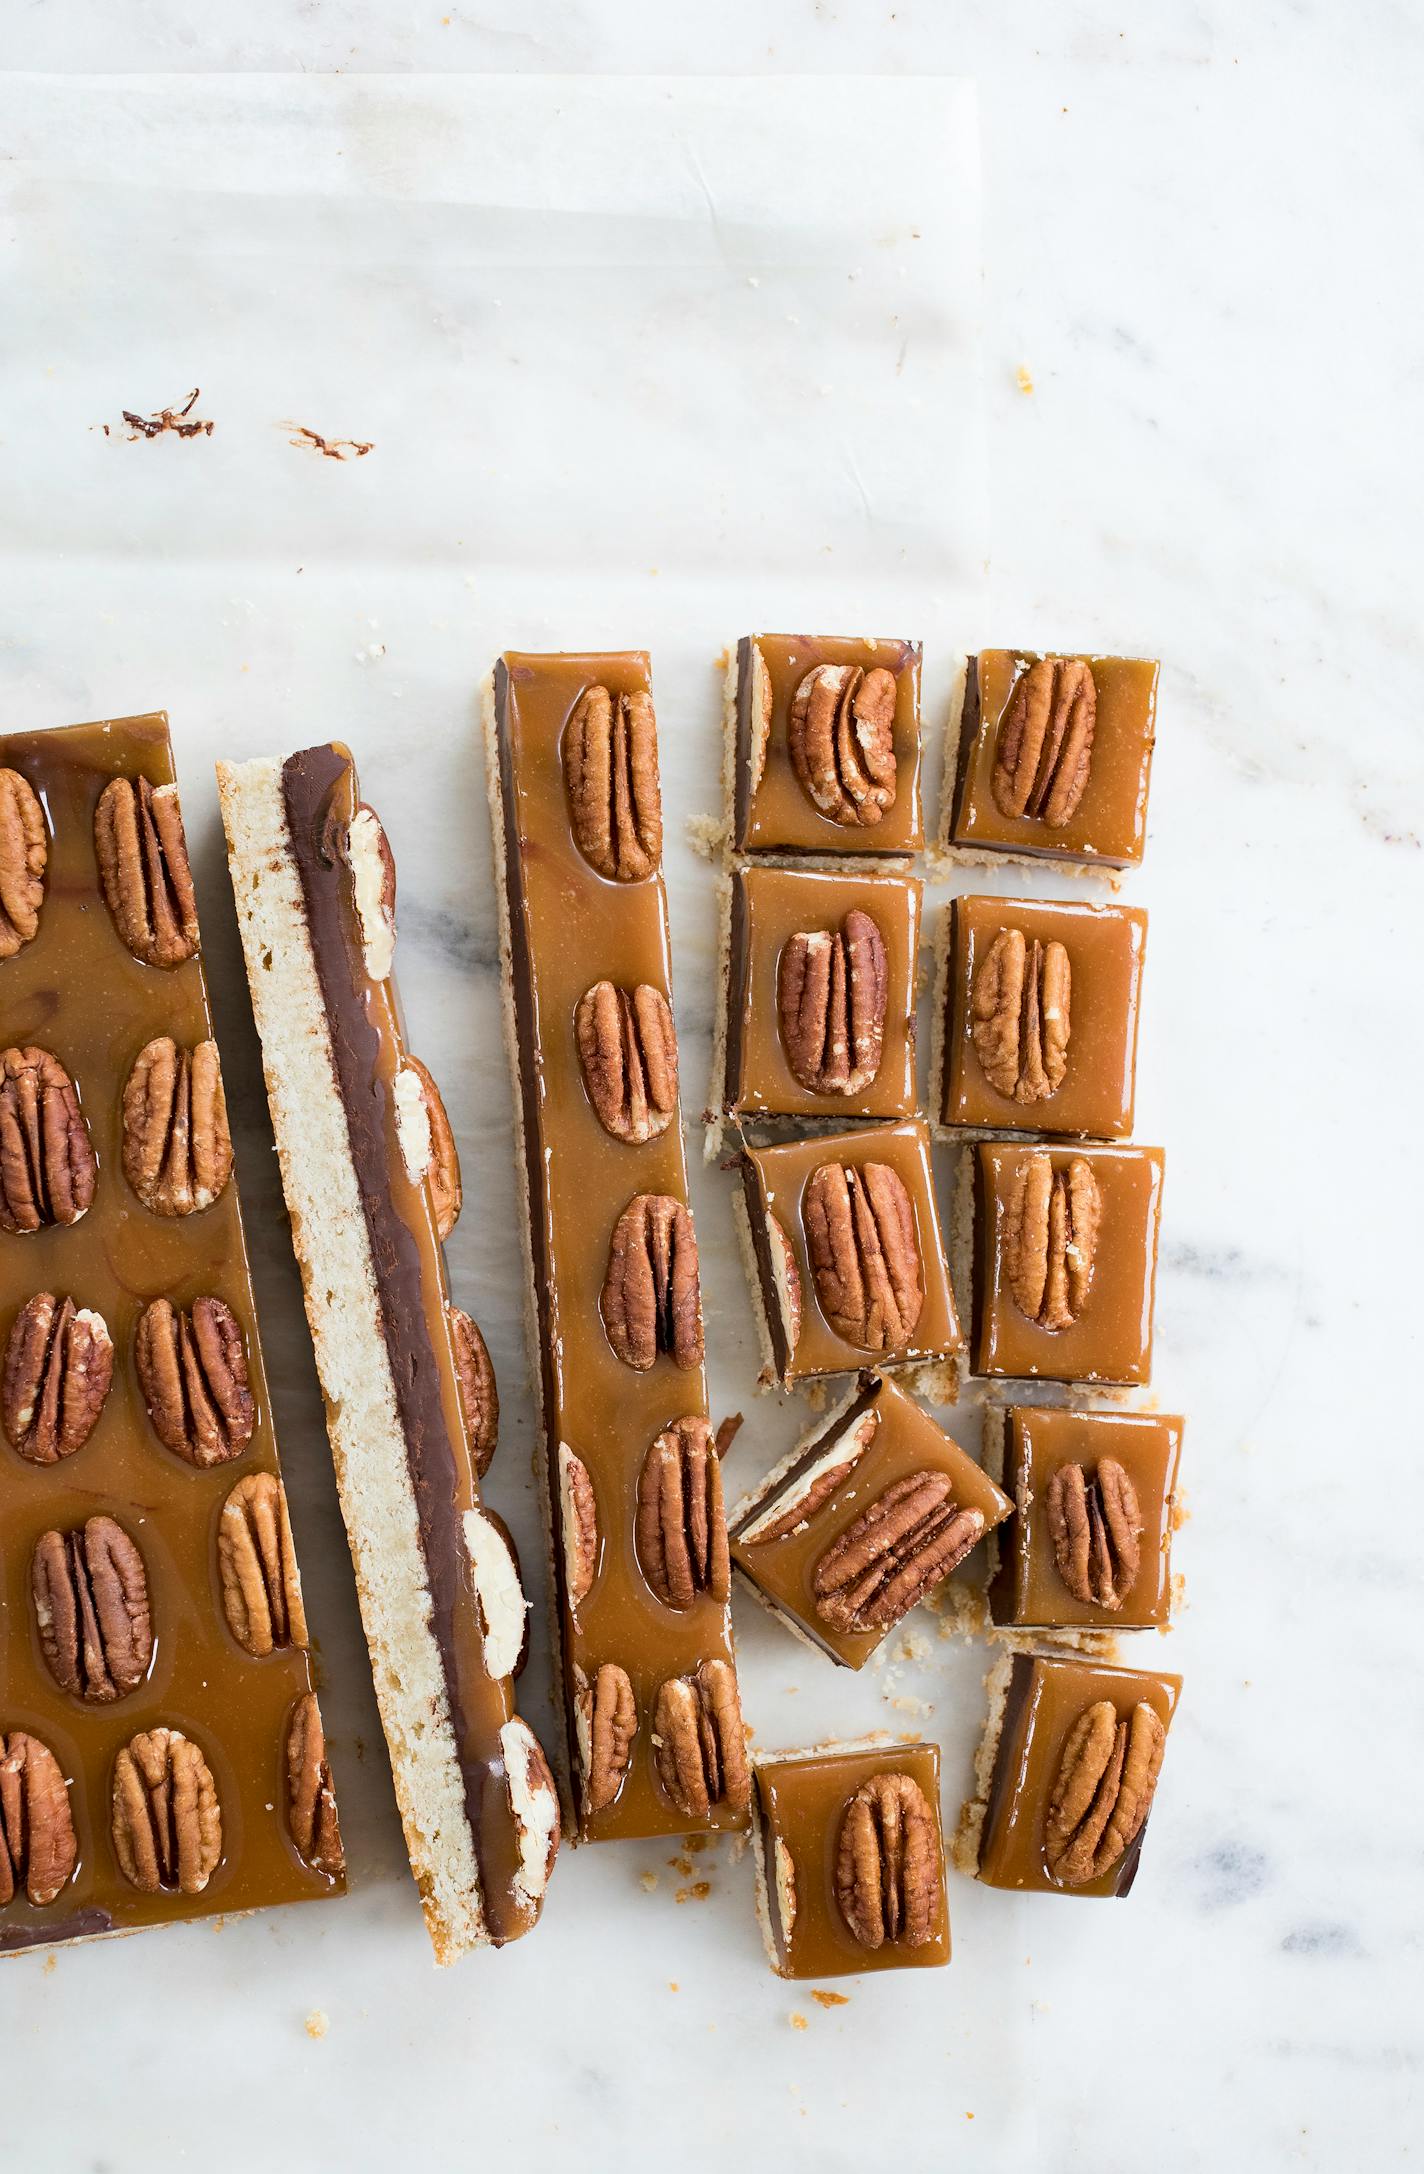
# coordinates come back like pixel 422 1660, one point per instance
pixel 1105 946
pixel 773 812
pixel 905 1442
pixel 774 1185
pixel 1110 823
pixel 1028 1590
pixel 569 928
pixel 78 991
pixel 1111 1339
pixel 801 1804
pixel 1046 1696
pixel 769 907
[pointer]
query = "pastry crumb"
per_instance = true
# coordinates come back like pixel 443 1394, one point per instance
pixel 706 834
pixel 829 2000
pixel 1023 378
pixel 797 2021
pixel 329 448
pixel 647 1881
pixel 318 2023
pixel 672 1985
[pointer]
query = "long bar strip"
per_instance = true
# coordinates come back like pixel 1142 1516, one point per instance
pixel 161 1749
pixel 372 1185
pixel 638 1543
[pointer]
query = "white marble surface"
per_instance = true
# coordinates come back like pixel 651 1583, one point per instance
pixel 1196 246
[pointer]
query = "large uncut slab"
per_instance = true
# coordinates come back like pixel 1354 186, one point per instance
pixel 161 1751
pixel 372 1182
pixel 637 1532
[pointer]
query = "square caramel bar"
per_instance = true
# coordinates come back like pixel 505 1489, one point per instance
pixel 1089 1545
pixel 1065 1261
pixel 820 995
pixel 871 1511
pixel 845 1254
pixel 1040 1016
pixel 1054 756
pixel 1066 1776
pixel 850 1859
pixel 825 745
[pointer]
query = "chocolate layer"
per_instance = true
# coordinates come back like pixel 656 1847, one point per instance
pixel 318 789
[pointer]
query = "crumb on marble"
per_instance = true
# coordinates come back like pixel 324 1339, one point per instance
pixel 318 2023
pixel 176 422
pixel 1023 378
pixel 706 834
pixel 329 448
pixel 51 1964
pixel 797 2020
pixel 647 1881
pixel 829 2000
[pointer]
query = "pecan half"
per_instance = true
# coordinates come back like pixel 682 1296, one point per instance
pixel 24 850
pixel 1019 1016
pixel 534 1802
pixel 311 1799
pixel 832 986
pixel 47 1162
pixel 257 1567
pixel 785 1282
pixel 887 1876
pixel 479 1397
pixel 1103 1790
pixel 90 1593
pixel 699 1747
pixel 907 1541
pixel 1045 745
pixel 628 1050
pixel 499 1592
pixel 651 1294
pixel 794 1506
pixel 192 1369
pixel 681 1525
pixel 59 1364
pixel 578 1526
pixel 427 1142
pixel 164 1814
pixel 611 772
pixel 177 1148
pixel 145 872
pixel 38 1847
pixel 865 1257
pixel 841 734
pixel 606 1715
pixel 1051 1239
pixel 373 890
pixel 1096 1526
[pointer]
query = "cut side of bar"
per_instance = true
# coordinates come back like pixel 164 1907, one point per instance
pixel 478 1804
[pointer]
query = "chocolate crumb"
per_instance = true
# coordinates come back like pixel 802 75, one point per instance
pixel 330 448
pixel 181 422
